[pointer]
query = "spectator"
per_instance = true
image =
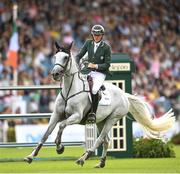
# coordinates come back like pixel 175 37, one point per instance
pixel 149 31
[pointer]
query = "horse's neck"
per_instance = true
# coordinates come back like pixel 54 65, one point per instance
pixel 71 82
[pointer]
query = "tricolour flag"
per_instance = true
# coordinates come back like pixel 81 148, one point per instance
pixel 12 55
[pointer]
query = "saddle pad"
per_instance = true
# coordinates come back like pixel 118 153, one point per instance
pixel 105 98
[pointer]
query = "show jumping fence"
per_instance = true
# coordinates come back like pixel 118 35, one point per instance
pixel 31 115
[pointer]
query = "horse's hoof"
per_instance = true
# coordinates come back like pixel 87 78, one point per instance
pixel 80 162
pixel 97 166
pixel 100 165
pixel 28 159
pixel 60 150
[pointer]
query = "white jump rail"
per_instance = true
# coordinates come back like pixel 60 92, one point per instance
pixel 11 145
pixel 43 87
pixel 31 115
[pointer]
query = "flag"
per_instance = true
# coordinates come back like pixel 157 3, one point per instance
pixel 12 55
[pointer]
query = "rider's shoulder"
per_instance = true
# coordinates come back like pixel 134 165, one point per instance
pixel 89 41
pixel 106 44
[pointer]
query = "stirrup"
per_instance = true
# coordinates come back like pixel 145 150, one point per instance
pixel 91 118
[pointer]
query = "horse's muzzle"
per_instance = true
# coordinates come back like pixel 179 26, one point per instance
pixel 57 76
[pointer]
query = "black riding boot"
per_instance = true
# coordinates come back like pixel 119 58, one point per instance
pixel 92 115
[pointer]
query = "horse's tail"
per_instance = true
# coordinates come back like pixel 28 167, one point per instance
pixel 152 126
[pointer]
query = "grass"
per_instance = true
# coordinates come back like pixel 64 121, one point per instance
pixel 66 164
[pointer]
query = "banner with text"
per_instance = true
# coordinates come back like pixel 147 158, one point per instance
pixel 34 133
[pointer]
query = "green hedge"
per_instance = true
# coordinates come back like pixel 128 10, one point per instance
pixel 152 148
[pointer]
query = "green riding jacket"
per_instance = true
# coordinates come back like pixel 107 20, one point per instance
pixel 102 56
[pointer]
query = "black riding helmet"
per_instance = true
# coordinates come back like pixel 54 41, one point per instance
pixel 97 30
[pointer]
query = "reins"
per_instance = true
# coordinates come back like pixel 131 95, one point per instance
pixel 67 97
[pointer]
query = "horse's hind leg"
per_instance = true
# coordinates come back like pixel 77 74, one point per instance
pixel 107 126
pixel 51 126
pixel 102 162
pixel 105 144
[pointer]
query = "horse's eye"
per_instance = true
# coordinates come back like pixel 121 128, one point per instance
pixel 66 57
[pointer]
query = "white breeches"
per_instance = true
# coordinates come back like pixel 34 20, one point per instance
pixel 98 79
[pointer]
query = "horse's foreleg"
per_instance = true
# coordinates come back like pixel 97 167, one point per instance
pixel 73 119
pixel 59 146
pixel 107 126
pixel 51 126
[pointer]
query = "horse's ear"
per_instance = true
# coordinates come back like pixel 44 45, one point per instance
pixel 69 47
pixel 57 46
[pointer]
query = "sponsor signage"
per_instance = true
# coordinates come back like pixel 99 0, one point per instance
pixel 120 67
pixel 34 133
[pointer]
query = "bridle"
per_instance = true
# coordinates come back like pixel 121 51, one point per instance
pixel 64 71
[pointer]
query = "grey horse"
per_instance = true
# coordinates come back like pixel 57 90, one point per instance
pixel 72 105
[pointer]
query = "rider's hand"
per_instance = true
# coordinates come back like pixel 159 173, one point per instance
pixel 92 65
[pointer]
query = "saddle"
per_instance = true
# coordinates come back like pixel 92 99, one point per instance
pixel 104 95
pixel 90 82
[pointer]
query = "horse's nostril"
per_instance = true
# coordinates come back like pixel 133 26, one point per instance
pixel 56 74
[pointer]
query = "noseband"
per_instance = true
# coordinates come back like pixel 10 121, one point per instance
pixel 65 66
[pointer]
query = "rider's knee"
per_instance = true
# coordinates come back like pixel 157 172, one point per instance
pixel 94 91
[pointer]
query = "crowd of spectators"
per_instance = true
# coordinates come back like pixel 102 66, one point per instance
pixel 149 31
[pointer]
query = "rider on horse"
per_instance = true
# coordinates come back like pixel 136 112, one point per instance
pixel 99 58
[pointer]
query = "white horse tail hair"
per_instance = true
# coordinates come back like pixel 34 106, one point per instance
pixel 153 127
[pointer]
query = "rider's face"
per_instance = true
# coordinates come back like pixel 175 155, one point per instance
pixel 97 38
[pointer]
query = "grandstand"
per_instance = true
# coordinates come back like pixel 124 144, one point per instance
pixel 149 31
